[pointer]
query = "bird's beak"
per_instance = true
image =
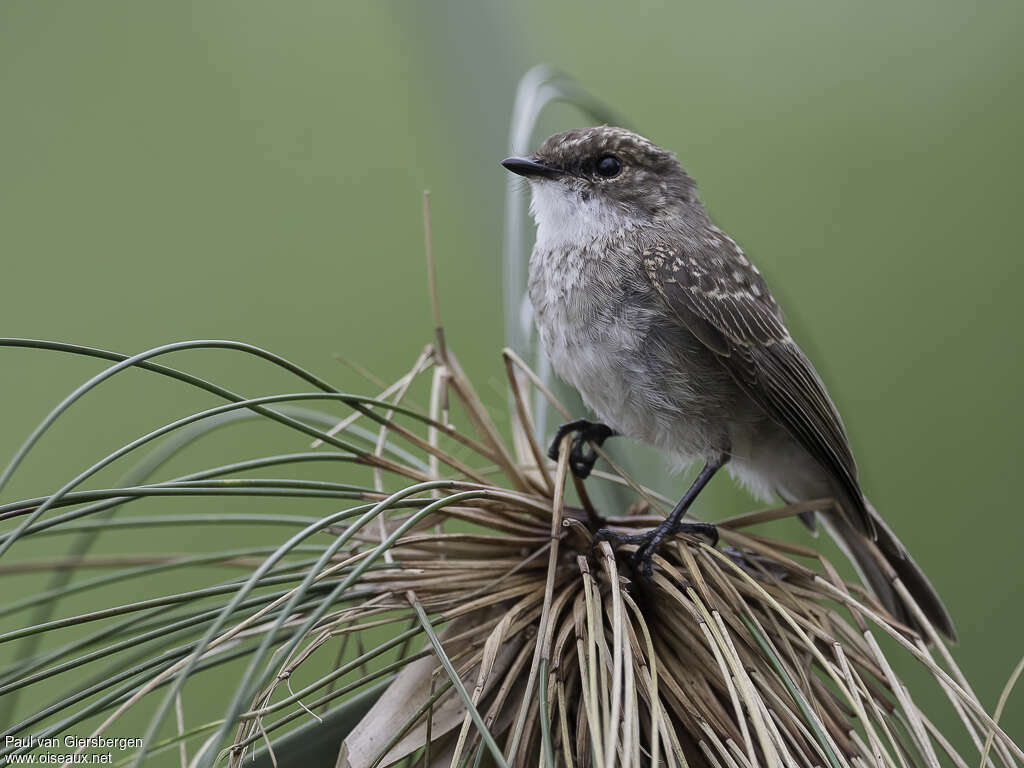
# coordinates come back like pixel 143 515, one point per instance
pixel 524 166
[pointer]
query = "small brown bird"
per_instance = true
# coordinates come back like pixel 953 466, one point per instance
pixel 672 337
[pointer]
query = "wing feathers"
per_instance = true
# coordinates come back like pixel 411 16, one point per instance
pixel 727 306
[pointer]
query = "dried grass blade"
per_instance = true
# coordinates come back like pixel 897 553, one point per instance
pixel 650 667
pixel 880 754
pixel 481 420
pixel 611 736
pixel 824 742
pixel 563 722
pixel 545 628
pixel 545 716
pixel 457 681
pixel 999 707
pixel 938 672
pixel 587 651
pixel 524 428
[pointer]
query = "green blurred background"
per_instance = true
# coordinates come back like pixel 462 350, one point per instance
pixel 253 170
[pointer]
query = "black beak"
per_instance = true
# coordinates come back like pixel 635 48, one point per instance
pixel 524 166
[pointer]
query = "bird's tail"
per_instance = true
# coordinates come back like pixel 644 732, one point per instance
pixel 882 561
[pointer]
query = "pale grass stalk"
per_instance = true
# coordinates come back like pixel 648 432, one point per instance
pixel 588 668
pixel 438 395
pixel 939 673
pixel 1003 696
pixel 549 585
pixel 179 716
pixel 876 746
pixel 649 669
pixel 938 643
pixel 608 562
pixel 419 366
pixel 563 723
pixel 724 650
pixel 722 660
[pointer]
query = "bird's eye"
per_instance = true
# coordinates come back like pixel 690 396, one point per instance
pixel 608 166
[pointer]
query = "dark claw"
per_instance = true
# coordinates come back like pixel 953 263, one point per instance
pixel 581 456
pixel 616 539
pixel 648 543
pixel 643 563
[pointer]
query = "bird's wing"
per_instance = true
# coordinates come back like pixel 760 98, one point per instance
pixel 720 297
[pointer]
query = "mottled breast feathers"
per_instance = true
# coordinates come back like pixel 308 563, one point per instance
pixel 721 298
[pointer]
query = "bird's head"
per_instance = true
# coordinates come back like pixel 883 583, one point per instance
pixel 592 181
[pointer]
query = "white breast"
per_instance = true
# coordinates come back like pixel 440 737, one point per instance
pixel 587 339
pixel 565 219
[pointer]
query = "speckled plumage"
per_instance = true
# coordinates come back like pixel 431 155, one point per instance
pixel 672 337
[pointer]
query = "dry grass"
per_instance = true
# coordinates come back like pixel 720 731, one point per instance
pixel 754 653
pixel 508 641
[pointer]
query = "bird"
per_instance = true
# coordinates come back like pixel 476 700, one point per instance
pixel 672 337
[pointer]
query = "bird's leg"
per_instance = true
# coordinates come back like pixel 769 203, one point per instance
pixel 581 458
pixel 648 543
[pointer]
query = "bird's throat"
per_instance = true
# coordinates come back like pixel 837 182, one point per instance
pixel 568 220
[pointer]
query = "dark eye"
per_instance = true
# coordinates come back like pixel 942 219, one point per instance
pixel 608 166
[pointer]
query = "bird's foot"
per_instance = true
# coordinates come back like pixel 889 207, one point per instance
pixel 647 544
pixel 581 456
